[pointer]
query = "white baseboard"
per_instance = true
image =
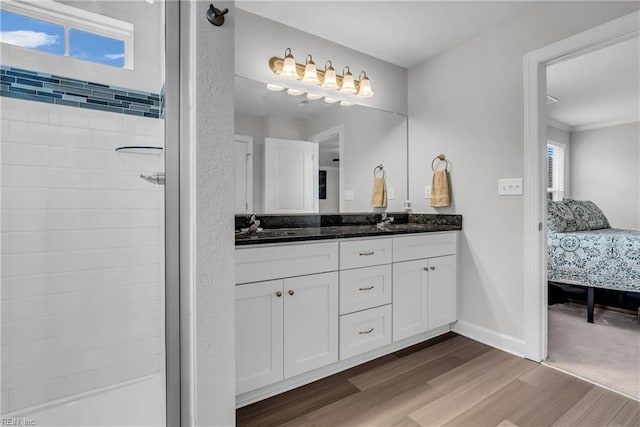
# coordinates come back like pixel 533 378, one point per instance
pixel 495 339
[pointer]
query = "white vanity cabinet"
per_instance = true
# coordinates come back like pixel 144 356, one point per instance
pixel 424 283
pixel 288 326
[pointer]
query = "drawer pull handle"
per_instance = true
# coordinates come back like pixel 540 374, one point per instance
pixel 278 294
pixel 366 253
pixel 366 289
pixel 366 332
pixel 291 292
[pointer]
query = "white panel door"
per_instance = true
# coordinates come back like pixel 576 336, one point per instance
pixel 291 176
pixel 244 174
pixel 442 294
pixel 310 322
pixel 410 298
pixel 259 335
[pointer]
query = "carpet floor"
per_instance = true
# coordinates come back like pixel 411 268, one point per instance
pixel 606 352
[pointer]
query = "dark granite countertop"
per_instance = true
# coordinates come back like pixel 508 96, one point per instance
pixel 405 224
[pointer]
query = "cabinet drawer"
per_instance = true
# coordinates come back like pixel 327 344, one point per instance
pixel 265 263
pixel 407 248
pixel 364 331
pixel 365 253
pixel 363 288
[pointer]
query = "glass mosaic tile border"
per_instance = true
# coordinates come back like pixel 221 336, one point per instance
pixel 52 89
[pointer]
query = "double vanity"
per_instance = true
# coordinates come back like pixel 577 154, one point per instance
pixel 317 294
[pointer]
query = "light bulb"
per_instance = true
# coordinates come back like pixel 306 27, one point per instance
pixel 289 71
pixel 310 72
pixel 365 86
pixel 330 81
pixel 294 92
pixel 346 103
pixel 274 88
pixel 330 100
pixel 313 96
pixel 348 85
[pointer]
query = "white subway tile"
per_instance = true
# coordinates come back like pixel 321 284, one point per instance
pixel 105 140
pixel 24 154
pixel 111 180
pixel 111 122
pixel 66 117
pixel 43 177
pixel 31 394
pixel 4 130
pixel 53 220
pixel 144 126
pixel 17 109
pixel 105 199
pixel 143 365
pixel 24 198
pixel 67 241
pixel 22 265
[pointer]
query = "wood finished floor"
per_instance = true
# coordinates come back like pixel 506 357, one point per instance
pixel 451 381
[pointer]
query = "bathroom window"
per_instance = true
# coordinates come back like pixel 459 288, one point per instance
pixel 555 171
pixel 63 30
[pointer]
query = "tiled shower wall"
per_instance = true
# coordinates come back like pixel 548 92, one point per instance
pixel 82 251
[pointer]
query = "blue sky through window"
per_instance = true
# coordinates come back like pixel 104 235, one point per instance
pixel 47 37
pixel 95 48
pixel 31 33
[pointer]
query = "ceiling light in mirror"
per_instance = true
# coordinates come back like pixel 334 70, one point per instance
pixel 289 71
pixel 330 100
pixel 313 96
pixel 294 92
pixel 274 87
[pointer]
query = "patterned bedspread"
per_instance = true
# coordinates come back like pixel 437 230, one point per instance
pixel 607 258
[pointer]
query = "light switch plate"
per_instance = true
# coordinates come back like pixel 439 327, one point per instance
pixel 391 194
pixel 510 187
pixel 348 194
pixel 427 191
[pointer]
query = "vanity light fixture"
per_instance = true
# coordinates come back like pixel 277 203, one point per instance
pixel 313 96
pixel 346 103
pixel 330 100
pixel 288 69
pixel 294 92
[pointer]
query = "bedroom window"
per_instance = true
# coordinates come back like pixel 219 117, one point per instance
pixel 555 171
pixel 63 30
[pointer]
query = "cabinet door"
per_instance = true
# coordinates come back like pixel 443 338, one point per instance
pixel 442 295
pixel 310 322
pixel 409 298
pixel 259 335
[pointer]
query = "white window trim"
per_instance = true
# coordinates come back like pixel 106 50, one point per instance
pixel 75 18
pixel 562 192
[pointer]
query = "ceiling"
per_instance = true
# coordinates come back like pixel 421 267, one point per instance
pixel 404 33
pixel 597 89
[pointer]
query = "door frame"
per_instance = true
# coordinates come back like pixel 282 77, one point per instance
pixel 535 140
pixel 323 136
pixel 249 141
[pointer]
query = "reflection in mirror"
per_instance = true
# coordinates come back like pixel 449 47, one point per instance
pixel 296 155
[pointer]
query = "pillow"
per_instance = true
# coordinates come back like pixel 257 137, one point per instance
pixel 588 215
pixel 560 217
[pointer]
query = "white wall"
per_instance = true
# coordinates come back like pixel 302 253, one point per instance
pixel 148 49
pixel 467 102
pixel 332 203
pixel 207 217
pixel 606 170
pixel 258 39
pixel 82 252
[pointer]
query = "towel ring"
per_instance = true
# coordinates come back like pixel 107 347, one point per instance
pixel 381 169
pixel 442 158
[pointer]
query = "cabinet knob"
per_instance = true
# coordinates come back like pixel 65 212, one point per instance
pixel 291 292
pixel 433 268
pixel 426 269
pixel 278 294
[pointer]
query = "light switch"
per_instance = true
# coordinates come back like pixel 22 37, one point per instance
pixel 391 194
pixel 348 194
pixel 510 187
pixel 427 191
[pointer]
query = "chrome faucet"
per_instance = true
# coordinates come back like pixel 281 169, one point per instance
pixel 384 220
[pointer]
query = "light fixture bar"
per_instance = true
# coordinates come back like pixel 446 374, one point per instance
pixel 276 64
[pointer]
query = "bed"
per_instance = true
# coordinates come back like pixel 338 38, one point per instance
pixel 582 249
